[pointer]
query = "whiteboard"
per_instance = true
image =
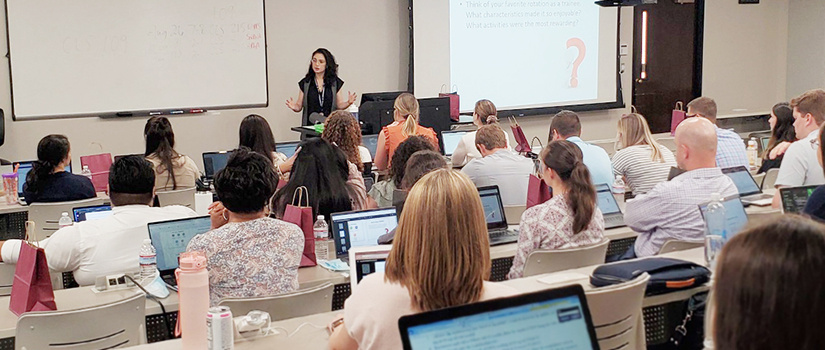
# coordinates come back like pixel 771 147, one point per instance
pixel 102 57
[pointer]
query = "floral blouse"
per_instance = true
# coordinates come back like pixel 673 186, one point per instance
pixel 251 259
pixel 549 226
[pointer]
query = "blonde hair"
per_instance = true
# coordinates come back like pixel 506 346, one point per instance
pixel 444 260
pixel 407 105
pixel 486 112
pixel 491 136
pixel 634 131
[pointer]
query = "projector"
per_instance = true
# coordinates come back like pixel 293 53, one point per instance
pixel 612 3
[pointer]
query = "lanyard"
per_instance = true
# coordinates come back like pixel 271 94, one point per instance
pixel 321 91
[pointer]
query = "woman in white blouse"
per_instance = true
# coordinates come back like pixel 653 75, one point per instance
pixel 641 160
pixel 484 114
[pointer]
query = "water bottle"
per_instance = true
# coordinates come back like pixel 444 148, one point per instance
pixel 86 172
pixel 321 231
pixel 716 229
pixel 65 220
pixel 148 259
pixel 193 296
pixel 618 189
pixel 753 152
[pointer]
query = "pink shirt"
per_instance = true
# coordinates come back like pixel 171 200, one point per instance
pixel 371 313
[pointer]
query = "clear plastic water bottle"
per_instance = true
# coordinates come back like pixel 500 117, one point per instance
pixel 86 172
pixel 321 231
pixel 619 189
pixel 148 259
pixel 65 220
pixel 716 229
pixel 753 152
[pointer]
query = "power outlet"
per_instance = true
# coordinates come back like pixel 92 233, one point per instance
pixel 113 282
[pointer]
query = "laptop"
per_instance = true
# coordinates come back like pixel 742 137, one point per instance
pixel 24 168
pixel 214 162
pixel 170 239
pixel 371 143
pixel 765 140
pixel 749 191
pixel 361 228
pixel 364 261
pixel 496 217
pixel 450 140
pixel 549 319
pixel 91 213
pixel 795 198
pixel 287 148
pixel 735 216
pixel 611 212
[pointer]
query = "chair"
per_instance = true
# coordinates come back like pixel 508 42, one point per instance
pixel 118 324
pixel 608 145
pixel 46 215
pixel 770 178
pixel 759 178
pixel 617 314
pixel 675 246
pixel 668 142
pixel 303 302
pixel 513 213
pixel 6 278
pixel 184 197
pixel 546 261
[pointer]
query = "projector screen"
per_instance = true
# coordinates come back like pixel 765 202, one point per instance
pixel 527 56
pixel 104 57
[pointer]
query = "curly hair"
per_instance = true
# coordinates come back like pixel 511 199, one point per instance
pixel 403 153
pixel 342 129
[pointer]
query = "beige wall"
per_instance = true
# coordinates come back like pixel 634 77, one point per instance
pixel 806 46
pixel 369 39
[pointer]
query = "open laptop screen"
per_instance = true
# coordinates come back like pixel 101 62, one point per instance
pixel 371 143
pixel 365 261
pixel 451 140
pixel 550 319
pixel 91 213
pixel 493 207
pixel 361 228
pixel 795 198
pixel 23 171
pixel 287 148
pixel 743 180
pixel 171 237
pixel 606 201
pixel 735 216
pixel 214 162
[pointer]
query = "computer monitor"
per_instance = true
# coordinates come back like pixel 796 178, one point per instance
pixel 450 140
pixel 735 216
pixel 371 143
pixel 493 207
pixel 765 140
pixel 364 261
pixel 795 198
pixel 549 319
pixel 435 114
pixel 361 228
pixel 24 167
pixel 743 180
pixel 171 237
pixel 380 96
pixel 606 201
pixel 287 148
pixel 91 213
pixel 214 162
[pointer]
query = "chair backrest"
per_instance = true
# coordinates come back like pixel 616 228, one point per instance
pixel 546 261
pixel 770 178
pixel 118 324
pixel 608 145
pixel 513 213
pixel 184 197
pixel 617 314
pixel 759 178
pixel 46 215
pixel 675 246
pixel 6 278
pixel 99 165
pixel 668 142
pixel 303 302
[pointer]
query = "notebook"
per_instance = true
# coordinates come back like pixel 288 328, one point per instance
pixel 495 216
pixel 23 171
pixel 214 162
pixel 611 212
pixel 361 228
pixel 795 198
pixel 364 261
pixel 735 216
pixel 94 212
pixel 749 191
pixel 450 140
pixel 287 148
pixel 170 239
pixel 549 319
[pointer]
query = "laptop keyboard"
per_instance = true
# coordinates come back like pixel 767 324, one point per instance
pixel 503 232
pixel 613 221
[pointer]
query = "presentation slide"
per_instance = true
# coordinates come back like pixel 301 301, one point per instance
pixel 518 54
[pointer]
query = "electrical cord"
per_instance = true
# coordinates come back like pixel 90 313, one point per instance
pixel 170 333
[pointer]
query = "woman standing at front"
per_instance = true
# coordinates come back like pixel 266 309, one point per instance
pixel 320 90
pixel 406 114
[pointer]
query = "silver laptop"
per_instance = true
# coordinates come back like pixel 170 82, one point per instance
pixel 735 216
pixel 495 216
pixel 361 228
pixel 450 140
pixel 749 190
pixel 170 238
pixel 611 212
pixel 795 198
pixel 364 261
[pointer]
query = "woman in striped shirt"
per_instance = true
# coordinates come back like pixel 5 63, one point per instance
pixel 641 160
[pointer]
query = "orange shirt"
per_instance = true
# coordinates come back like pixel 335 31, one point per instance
pixel 394 135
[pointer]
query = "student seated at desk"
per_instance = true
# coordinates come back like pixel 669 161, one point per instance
pixel 641 160
pixel 730 150
pixel 452 240
pixel 815 206
pixel 382 191
pixel 248 253
pixel 405 125
pixel 110 245
pixel 48 181
pixel 500 166
pixel 768 290
pixel 484 114
pixel 571 218
pixel 342 130
pixel 566 125
pixel 670 211
pixel 782 135
pixel 256 135
pixel 173 171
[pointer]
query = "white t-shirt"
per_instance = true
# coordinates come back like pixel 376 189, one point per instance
pixel 506 169
pixel 800 166
pixel 366 157
pixel 100 247
pixel 467 151
pixel 371 313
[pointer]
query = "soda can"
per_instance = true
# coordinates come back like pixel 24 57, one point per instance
pixel 219 333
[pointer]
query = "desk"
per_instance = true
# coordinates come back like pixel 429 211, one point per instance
pixel 306 131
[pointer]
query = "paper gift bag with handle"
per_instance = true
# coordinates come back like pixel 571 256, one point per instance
pixel 537 191
pixel 32 286
pixel 99 165
pixel 522 145
pixel 454 101
pixel 677 117
pixel 300 214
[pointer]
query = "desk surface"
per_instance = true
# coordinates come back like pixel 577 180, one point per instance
pixel 6 208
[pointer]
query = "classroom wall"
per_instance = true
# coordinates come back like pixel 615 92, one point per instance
pixel 806 47
pixel 369 39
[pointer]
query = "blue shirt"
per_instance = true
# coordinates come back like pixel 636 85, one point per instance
pixel 730 149
pixel 597 161
pixel 61 187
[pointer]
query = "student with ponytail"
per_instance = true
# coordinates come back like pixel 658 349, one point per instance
pixel 405 125
pixel 484 114
pixel 48 181
pixel 173 171
pixel 571 218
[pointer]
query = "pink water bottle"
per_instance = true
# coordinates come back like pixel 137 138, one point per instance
pixel 193 296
